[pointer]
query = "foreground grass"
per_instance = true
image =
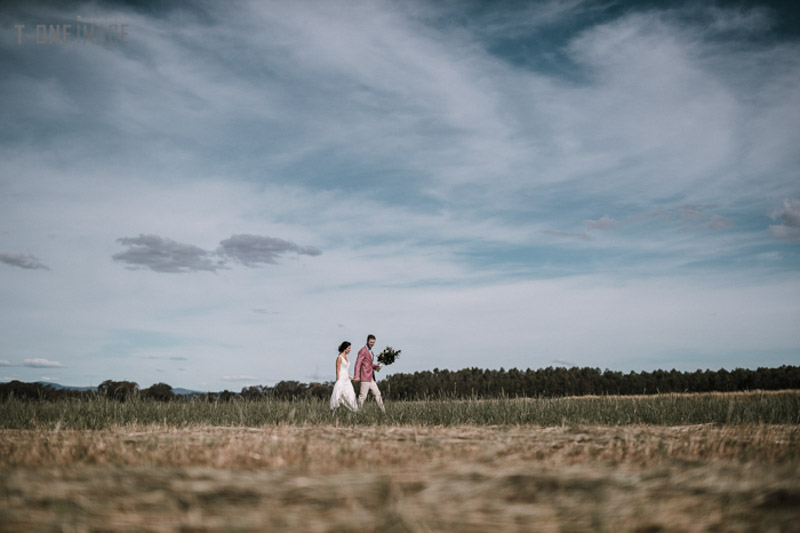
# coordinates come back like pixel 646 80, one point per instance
pixel 678 462
pixel 402 478
pixel 666 409
pixel 325 449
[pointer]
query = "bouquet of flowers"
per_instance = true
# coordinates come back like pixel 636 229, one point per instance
pixel 388 356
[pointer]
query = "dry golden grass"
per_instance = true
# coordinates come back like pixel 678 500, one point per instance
pixel 325 449
pixel 402 478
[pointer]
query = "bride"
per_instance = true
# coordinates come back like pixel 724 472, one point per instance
pixel 343 392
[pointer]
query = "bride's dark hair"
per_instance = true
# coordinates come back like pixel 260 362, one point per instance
pixel 343 346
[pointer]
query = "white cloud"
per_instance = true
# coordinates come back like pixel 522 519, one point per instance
pixel 41 363
pixel 3 362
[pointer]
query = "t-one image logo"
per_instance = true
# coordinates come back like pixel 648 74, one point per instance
pixel 80 32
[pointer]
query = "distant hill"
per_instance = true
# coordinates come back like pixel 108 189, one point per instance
pixel 186 392
pixel 58 386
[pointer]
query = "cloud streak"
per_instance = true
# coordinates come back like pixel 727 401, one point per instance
pixel 255 250
pixel 568 235
pixel 41 363
pixel 239 378
pixel 20 260
pixel 165 255
pixel 604 223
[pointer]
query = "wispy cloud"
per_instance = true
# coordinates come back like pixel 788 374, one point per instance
pixel 22 261
pixel 238 378
pixel 253 250
pixel 165 255
pixel 41 363
pixel 3 362
pixel 604 223
pixel 568 235
pixel 683 218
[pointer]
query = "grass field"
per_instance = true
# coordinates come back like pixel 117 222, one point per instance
pixel 778 407
pixel 313 471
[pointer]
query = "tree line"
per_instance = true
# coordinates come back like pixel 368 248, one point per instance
pixel 460 384
pixel 575 381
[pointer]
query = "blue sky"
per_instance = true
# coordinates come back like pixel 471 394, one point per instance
pixel 224 198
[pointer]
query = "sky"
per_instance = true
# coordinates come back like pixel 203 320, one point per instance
pixel 216 195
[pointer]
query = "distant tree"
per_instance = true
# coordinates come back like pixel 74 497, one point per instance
pixel 227 396
pixel 160 392
pixel 118 390
pixel 465 383
pixel 289 390
pixel 254 392
pixel 209 397
pixel 23 391
pixel 321 391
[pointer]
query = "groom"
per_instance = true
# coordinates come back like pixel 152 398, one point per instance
pixel 365 366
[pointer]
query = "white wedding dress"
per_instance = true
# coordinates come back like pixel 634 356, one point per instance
pixel 343 391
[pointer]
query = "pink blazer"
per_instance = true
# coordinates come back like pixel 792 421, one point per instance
pixel 364 366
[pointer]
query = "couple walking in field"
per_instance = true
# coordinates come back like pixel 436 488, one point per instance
pixel 343 391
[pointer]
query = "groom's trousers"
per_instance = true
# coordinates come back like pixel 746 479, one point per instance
pixel 367 386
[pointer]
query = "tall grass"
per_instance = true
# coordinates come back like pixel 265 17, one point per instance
pixel 666 409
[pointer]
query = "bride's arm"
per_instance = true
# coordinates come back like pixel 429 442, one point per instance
pixel 338 366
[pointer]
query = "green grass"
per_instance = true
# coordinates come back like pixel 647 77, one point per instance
pixel 665 409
